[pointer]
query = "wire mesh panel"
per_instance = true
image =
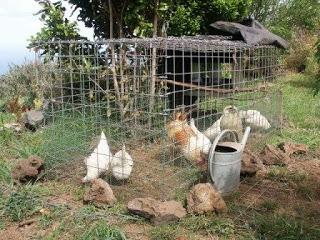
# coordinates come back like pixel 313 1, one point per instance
pixel 143 93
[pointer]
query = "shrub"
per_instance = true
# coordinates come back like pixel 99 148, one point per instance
pixel 28 82
pixel 302 51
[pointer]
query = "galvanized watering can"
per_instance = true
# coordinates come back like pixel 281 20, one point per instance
pixel 225 161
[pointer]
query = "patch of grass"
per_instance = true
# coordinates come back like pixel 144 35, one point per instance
pixel 269 205
pixel 211 225
pixel 57 232
pixel 117 208
pixel 307 190
pixel 164 232
pixel 84 212
pixel 23 202
pixel 64 140
pixel 78 193
pixel 52 213
pixel 181 195
pixel 101 231
pixel 5 173
pixel 282 174
pixel 301 110
pixel 6 118
pixel 283 228
pixel 310 137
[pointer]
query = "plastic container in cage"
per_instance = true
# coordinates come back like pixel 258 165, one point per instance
pixel 225 162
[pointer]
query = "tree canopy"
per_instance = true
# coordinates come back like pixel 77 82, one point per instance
pixel 284 17
pixel 135 17
pixel 56 25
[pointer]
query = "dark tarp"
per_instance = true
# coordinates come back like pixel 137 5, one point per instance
pixel 250 31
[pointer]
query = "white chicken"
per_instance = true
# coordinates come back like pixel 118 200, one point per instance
pixel 255 119
pixel 213 131
pixel 121 164
pixel 202 140
pixel 99 160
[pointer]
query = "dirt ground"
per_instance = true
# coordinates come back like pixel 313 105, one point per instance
pixel 148 173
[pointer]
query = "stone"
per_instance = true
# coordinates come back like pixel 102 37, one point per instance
pixel 32 119
pixel 100 194
pixel 293 148
pixel 274 156
pixel 251 163
pixel 28 169
pixel 14 126
pixel 156 211
pixel 204 198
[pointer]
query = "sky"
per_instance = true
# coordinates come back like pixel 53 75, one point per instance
pixel 17 24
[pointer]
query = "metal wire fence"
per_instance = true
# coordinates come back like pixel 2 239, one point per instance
pixel 132 88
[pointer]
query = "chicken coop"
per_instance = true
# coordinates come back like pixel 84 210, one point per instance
pixel 132 88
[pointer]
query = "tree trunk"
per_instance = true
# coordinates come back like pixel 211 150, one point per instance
pixel 154 62
pixel 113 68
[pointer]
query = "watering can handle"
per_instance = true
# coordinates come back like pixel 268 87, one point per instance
pixel 216 140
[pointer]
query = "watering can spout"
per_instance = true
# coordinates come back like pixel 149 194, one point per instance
pixel 245 137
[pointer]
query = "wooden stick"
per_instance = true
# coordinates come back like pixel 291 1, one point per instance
pixel 216 90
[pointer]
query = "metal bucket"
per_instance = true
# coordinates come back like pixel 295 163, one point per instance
pixel 225 162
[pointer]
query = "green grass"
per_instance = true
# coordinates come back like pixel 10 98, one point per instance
pixel 165 232
pixel 282 174
pixel 308 191
pixel 23 203
pixel 102 231
pixel 5 173
pixel 54 213
pixel 301 110
pixel 269 205
pixel 284 228
pixel 210 225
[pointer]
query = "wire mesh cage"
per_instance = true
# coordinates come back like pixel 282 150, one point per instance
pixel 135 90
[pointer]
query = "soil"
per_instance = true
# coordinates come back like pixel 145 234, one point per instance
pixel 152 178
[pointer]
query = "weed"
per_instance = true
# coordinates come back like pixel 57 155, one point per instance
pixel 101 231
pixel 284 228
pixel 23 203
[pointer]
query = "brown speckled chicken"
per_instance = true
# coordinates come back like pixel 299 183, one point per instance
pixel 187 140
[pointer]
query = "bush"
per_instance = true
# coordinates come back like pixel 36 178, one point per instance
pixel 302 51
pixel 28 82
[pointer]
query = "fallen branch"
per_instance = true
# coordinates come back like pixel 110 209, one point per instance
pixel 215 90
